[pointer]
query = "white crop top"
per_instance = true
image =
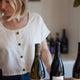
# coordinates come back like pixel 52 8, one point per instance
pixel 17 46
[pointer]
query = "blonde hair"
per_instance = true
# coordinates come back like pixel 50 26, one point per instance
pixel 19 7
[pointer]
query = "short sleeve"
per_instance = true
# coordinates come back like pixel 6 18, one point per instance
pixel 44 30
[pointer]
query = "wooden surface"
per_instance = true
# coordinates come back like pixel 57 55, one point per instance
pixel 68 79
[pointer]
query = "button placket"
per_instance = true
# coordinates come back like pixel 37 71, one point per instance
pixel 20 50
pixel 22 65
pixel 19 43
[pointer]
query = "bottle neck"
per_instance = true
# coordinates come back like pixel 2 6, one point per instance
pixel 64 33
pixel 79 49
pixel 37 55
pixel 37 50
pixel 57 37
pixel 0 74
pixel 57 49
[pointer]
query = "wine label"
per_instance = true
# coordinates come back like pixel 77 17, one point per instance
pixel 58 78
pixel 75 79
pixel 64 48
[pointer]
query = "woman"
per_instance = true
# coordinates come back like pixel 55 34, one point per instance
pixel 19 31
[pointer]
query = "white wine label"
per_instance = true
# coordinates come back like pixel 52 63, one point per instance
pixel 75 79
pixel 58 78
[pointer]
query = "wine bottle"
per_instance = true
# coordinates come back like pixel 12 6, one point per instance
pixel 37 70
pixel 48 42
pixel 57 67
pixel 52 46
pixel 76 68
pixel 64 43
pixel 57 37
pixel 0 74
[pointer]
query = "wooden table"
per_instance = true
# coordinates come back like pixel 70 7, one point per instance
pixel 68 79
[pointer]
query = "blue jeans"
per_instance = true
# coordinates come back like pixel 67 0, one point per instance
pixel 18 77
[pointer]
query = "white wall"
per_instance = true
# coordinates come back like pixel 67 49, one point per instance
pixel 59 14
pixel 54 13
pixel 74 27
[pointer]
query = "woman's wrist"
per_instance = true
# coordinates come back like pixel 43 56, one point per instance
pixel 48 68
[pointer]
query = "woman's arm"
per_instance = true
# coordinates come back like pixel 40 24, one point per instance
pixel 45 55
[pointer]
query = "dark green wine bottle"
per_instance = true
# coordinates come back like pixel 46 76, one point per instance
pixel 37 70
pixel 64 43
pixel 76 68
pixel 57 67
pixel 0 74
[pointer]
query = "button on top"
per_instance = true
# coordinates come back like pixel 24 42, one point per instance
pixel 21 56
pixel 17 33
pixel 19 44
pixel 23 69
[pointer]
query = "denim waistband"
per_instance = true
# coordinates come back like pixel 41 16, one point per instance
pixel 18 77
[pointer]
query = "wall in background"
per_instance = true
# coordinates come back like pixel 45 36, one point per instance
pixel 59 14
pixel 73 28
pixel 54 13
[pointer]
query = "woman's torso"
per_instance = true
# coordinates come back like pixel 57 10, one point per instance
pixel 17 46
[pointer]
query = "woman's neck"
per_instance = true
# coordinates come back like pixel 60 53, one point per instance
pixel 15 23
